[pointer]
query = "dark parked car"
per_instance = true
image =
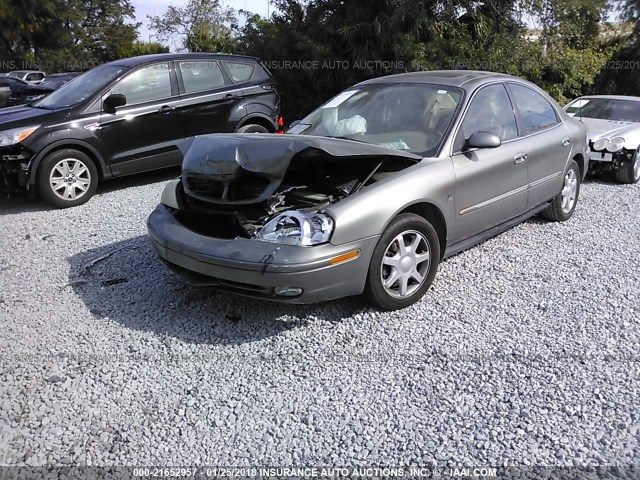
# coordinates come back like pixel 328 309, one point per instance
pixel 130 116
pixel 21 94
pixel 369 192
pixel 34 77
pixel 6 82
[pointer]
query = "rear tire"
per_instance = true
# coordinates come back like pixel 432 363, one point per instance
pixel 404 263
pixel 564 204
pixel 66 178
pixel 252 128
pixel 629 172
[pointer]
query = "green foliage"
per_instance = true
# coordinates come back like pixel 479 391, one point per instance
pixel 62 35
pixel 143 48
pixel 199 26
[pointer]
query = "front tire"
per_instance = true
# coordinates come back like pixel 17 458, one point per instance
pixel 252 128
pixel 629 172
pixel 66 178
pixel 404 263
pixel 564 204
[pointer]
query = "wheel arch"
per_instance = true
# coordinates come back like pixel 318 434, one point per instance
pixel 579 159
pixel 92 153
pixel 258 119
pixel 432 214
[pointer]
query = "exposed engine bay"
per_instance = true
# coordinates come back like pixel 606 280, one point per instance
pixel 232 185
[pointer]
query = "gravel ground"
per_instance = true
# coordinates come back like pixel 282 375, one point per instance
pixel 524 351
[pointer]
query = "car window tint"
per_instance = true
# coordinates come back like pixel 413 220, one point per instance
pixel 200 76
pixel 145 84
pixel 537 113
pixel 490 111
pixel 240 72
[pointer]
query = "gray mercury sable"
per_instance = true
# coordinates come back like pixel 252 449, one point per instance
pixel 372 190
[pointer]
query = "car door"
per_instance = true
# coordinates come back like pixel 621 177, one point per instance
pixel 548 139
pixel 491 183
pixel 145 133
pixel 207 97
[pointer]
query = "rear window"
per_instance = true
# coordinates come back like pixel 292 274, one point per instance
pixel 240 72
pixel 199 76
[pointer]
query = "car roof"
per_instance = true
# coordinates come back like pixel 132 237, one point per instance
pixel 467 79
pixel 613 97
pixel 142 59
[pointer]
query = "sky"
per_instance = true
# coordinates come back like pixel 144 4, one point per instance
pixel 158 7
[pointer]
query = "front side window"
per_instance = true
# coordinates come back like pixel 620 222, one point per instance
pixel 536 111
pixel 201 76
pixel 240 72
pixel 489 111
pixel 403 116
pixel 146 84
pixel 83 87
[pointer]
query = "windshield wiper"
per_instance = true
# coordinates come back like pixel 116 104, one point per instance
pixel 347 138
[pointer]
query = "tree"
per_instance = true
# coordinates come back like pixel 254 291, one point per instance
pixel 59 35
pixel 143 48
pixel 201 25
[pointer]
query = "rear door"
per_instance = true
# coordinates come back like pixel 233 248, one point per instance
pixel 208 97
pixel 145 134
pixel 491 183
pixel 548 139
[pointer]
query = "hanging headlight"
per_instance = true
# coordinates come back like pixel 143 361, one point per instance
pixel 615 144
pixel 297 228
pixel 600 144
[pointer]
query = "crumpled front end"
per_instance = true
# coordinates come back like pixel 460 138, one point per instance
pixel 248 214
pixel 14 168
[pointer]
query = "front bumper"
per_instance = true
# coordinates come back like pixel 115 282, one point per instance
pixel 255 268
pixel 14 168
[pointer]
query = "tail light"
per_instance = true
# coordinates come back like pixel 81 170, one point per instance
pixel 280 123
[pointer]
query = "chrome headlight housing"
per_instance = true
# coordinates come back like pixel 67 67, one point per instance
pixel 600 144
pixel 297 228
pixel 16 135
pixel 615 144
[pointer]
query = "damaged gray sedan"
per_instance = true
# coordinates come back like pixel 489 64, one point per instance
pixel 372 190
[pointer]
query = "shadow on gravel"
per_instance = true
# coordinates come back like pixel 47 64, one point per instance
pixel 22 202
pixel 127 282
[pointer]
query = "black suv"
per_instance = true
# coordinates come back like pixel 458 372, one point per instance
pixel 130 116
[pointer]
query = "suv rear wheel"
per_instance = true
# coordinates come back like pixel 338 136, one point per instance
pixel 252 128
pixel 66 178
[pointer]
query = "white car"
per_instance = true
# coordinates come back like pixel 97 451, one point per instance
pixel 34 77
pixel 613 123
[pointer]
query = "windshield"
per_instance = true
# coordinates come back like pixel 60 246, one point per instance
pixel 606 109
pixel 54 82
pixel 404 116
pixel 83 87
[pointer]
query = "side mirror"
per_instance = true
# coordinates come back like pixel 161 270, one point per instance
pixel 484 140
pixel 112 102
pixel 294 123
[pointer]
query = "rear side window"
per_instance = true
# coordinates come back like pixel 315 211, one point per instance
pixel 240 72
pixel 145 84
pixel 537 113
pixel 201 75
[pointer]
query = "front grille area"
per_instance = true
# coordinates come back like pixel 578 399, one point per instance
pixel 247 186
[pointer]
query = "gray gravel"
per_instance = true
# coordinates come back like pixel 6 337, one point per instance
pixel 525 351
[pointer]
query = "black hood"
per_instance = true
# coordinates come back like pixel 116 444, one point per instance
pixel 259 162
pixel 23 115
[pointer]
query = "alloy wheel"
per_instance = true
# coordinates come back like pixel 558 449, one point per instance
pixel 405 264
pixel 70 179
pixel 569 191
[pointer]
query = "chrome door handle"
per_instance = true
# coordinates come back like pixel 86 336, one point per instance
pixel 566 142
pixel 167 109
pixel 519 158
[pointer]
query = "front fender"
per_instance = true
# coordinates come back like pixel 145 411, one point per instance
pixel 368 212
